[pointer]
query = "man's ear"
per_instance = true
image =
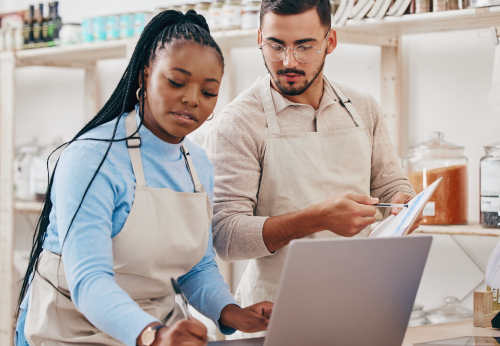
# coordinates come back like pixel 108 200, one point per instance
pixel 331 41
pixel 259 37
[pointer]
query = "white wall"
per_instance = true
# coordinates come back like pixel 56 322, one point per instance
pixel 449 77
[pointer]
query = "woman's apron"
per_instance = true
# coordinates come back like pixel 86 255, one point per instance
pixel 300 170
pixel 165 235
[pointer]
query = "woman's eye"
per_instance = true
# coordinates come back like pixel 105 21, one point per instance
pixel 206 93
pixel 175 84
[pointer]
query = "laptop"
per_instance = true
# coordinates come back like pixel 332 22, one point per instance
pixel 345 292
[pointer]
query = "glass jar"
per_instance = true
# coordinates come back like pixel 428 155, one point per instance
pixel 24 188
pixel 450 312
pixel 215 15
pixel 418 317
pixel 490 187
pixel 431 160
pixel 334 5
pixel 202 8
pixel 250 16
pixel 439 5
pixel 231 15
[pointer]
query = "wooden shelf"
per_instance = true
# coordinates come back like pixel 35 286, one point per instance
pixel 470 229
pixel 468 19
pixel 28 207
pixel 377 32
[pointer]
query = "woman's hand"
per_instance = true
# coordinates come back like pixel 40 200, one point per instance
pixel 183 333
pixel 252 319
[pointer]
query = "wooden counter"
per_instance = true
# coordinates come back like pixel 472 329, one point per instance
pixel 445 331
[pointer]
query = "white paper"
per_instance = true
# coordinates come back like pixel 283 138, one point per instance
pixel 397 225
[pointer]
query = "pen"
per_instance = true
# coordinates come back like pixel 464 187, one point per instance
pixel 182 299
pixel 390 205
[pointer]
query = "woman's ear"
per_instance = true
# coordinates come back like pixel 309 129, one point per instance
pixel 147 73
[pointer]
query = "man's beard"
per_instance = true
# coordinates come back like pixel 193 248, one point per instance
pixel 294 89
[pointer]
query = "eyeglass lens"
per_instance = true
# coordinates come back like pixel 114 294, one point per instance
pixel 275 52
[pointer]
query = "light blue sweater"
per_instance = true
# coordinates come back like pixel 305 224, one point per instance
pixel 87 251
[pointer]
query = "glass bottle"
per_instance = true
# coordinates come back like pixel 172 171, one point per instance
pixel 450 312
pixel 490 187
pixel 431 160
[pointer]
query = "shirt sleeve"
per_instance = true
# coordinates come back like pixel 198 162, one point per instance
pixel 87 247
pixel 231 147
pixel 387 175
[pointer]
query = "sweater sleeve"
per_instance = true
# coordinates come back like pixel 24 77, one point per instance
pixel 87 246
pixel 230 145
pixel 387 175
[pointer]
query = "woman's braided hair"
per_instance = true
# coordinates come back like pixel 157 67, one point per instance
pixel 165 28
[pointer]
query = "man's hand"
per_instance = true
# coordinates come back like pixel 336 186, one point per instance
pixel 252 319
pixel 182 333
pixel 403 198
pixel 347 214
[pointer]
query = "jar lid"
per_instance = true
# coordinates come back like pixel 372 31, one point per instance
pixel 493 146
pixel 436 141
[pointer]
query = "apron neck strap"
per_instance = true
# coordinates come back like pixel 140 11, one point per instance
pixel 198 186
pixel 346 103
pixel 267 102
pixel 134 145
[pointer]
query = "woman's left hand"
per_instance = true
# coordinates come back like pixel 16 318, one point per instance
pixel 252 319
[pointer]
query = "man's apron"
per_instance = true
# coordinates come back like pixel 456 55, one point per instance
pixel 300 170
pixel 165 235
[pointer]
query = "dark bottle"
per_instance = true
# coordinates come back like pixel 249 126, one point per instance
pixel 37 27
pixel 45 30
pixel 50 26
pixel 28 27
pixel 57 22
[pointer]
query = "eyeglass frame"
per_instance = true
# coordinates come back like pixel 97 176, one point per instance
pixel 302 44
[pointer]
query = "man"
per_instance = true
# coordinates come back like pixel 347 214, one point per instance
pixel 295 155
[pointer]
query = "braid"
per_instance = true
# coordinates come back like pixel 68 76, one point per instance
pixel 165 28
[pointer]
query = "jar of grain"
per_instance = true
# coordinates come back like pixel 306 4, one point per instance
pixel 431 160
pixel 490 187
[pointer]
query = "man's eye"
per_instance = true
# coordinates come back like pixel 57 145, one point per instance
pixel 304 48
pixel 276 47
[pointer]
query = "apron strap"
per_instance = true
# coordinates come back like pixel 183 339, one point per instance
pixel 346 103
pixel 198 186
pixel 267 102
pixel 134 145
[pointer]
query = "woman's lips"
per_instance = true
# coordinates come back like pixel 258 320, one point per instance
pixel 292 77
pixel 184 117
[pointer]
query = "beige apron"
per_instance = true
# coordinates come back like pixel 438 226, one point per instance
pixel 165 235
pixel 300 170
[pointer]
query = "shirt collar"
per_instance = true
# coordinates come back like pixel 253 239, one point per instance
pixel 280 102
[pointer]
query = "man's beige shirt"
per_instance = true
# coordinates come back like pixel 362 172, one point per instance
pixel 236 144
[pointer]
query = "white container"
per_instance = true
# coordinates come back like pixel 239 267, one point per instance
pixel 231 15
pixel 70 34
pixel 2 39
pixel 9 38
pixel 250 17
pixel 23 179
pixel 215 15
pixel 18 38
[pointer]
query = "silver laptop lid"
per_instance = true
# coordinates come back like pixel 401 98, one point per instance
pixel 347 291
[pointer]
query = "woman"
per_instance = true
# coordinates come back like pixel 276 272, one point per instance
pixel 126 209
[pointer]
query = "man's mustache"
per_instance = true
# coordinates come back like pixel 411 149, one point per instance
pixel 291 70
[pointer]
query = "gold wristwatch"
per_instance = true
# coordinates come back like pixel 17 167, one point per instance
pixel 148 336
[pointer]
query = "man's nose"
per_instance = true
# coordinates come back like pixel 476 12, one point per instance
pixel 289 61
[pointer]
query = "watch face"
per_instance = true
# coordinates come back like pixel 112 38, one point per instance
pixel 148 336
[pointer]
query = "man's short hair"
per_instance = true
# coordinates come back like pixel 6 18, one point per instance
pixel 290 7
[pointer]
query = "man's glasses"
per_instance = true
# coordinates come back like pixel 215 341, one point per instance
pixel 304 53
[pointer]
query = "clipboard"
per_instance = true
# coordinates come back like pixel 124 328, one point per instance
pixel 399 225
